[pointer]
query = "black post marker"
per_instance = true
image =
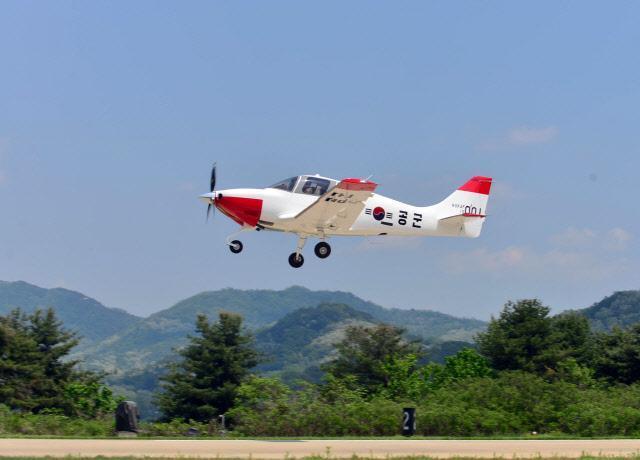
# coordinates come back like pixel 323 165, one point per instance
pixel 408 421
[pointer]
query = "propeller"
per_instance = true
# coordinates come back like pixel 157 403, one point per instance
pixel 212 189
pixel 213 178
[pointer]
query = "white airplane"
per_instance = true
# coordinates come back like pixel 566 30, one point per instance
pixel 316 206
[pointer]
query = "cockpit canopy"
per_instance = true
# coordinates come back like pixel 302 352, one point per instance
pixel 307 185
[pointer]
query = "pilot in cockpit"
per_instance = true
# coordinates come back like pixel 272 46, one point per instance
pixel 315 186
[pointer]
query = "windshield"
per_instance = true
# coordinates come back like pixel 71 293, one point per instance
pixel 286 185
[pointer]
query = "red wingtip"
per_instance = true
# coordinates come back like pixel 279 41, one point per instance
pixel 352 183
pixel 477 184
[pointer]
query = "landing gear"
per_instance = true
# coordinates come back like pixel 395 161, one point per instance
pixel 236 246
pixel 296 260
pixel 322 250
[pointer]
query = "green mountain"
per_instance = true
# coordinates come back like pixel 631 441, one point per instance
pixel 622 309
pixel 153 338
pixel 92 320
pixel 304 338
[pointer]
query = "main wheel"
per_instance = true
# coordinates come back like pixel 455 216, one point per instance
pixel 322 250
pixel 296 260
pixel 236 246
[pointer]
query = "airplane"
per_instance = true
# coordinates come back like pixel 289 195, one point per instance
pixel 321 207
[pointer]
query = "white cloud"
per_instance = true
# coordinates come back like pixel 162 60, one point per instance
pixel 575 254
pixel 520 136
pixel 553 264
pixel 525 135
pixel 575 237
pixel 614 239
pixel 485 260
pixel 617 238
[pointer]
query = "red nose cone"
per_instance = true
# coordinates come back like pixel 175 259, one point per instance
pixel 245 211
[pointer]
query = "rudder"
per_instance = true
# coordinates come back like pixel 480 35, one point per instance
pixel 463 211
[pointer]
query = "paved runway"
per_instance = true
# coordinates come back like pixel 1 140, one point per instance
pixel 261 449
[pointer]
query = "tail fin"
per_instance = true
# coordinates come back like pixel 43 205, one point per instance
pixel 462 213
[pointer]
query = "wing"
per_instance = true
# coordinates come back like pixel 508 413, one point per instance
pixel 338 208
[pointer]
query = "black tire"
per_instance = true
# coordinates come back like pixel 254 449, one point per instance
pixel 236 246
pixel 296 260
pixel 322 250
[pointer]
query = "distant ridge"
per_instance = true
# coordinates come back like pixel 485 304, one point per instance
pixel 78 312
pixel 153 338
pixel 621 309
pixel 305 338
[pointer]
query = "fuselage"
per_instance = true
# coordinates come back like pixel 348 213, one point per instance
pixel 315 206
pixel 275 208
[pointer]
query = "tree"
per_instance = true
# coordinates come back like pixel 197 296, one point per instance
pixel 618 355
pixel 525 337
pixel 35 373
pixel 466 364
pixel 204 383
pixel 90 399
pixel 54 344
pixel 19 363
pixel 366 354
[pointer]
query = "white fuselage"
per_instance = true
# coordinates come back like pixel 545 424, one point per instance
pixel 315 206
pixel 280 206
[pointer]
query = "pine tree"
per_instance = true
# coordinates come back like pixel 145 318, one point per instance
pixel 54 344
pixel 20 369
pixel 35 373
pixel 203 384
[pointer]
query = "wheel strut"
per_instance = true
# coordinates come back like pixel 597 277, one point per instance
pixel 296 259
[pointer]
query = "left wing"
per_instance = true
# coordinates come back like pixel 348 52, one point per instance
pixel 337 209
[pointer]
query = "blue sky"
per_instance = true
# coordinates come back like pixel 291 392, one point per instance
pixel 112 112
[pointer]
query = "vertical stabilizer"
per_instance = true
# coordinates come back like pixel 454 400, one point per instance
pixel 463 212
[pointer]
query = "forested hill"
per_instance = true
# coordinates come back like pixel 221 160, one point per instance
pixel 304 338
pixel 92 320
pixel 619 309
pixel 154 337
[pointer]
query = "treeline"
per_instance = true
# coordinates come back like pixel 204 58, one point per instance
pixel 530 373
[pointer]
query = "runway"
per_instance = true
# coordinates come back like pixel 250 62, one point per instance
pixel 263 449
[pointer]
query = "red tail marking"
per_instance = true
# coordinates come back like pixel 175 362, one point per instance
pixel 477 184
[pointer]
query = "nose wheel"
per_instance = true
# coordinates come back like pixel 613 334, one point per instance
pixel 322 250
pixel 236 246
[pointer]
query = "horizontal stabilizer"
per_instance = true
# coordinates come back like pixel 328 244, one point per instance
pixel 462 217
pixel 466 224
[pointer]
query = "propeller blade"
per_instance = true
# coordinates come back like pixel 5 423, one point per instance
pixel 213 178
pixel 209 211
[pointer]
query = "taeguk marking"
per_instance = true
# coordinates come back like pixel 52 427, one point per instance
pixel 378 213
